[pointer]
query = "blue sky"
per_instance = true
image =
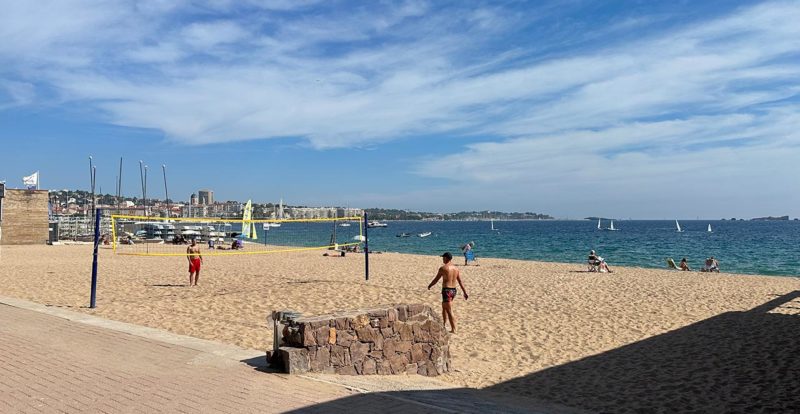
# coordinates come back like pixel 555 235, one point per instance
pixel 623 109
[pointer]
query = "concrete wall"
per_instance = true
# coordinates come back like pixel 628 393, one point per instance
pixel 24 218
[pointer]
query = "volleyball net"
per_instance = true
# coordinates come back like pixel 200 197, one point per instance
pixel 161 236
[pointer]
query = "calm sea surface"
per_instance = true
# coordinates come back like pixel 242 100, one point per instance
pixel 767 247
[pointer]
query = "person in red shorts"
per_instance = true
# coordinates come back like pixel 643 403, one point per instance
pixel 195 260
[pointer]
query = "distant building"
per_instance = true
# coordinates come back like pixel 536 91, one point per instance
pixel 193 199
pixel 205 197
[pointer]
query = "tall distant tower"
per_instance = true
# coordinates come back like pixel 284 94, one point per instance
pixel 280 210
pixel 205 197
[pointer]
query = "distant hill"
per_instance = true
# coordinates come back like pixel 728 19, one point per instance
pixel 770 218
pixel 395 214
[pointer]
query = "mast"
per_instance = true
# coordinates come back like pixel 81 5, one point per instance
pixel 166 193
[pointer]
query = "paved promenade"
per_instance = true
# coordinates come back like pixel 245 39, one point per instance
pixel 51 364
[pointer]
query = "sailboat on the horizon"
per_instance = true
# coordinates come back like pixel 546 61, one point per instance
pixel 612 227
pixel 678 225
pixel 492 221
pixel 709 228
pixel 598 225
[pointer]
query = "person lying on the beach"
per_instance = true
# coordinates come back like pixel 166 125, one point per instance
pixel 450 275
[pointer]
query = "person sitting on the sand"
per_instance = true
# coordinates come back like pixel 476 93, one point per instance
pixel 599 263
pixel 684 265
pixel 711 265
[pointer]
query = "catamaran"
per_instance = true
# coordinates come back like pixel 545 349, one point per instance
pixel 678 225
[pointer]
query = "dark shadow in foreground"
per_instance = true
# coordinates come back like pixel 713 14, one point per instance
pixel 735 362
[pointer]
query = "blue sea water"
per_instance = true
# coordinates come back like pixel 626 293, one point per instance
pixel 749 247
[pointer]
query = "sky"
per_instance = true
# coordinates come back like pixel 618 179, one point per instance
pixel 628 109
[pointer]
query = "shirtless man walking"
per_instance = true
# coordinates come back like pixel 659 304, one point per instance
pixel 195 259
pixel 449 275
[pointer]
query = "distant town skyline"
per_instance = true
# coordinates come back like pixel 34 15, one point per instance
pixel 624 109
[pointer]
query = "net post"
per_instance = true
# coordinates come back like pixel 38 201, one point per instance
pixel 93 297
pixel 366 248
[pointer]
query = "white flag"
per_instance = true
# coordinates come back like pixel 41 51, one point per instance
pixel 32 181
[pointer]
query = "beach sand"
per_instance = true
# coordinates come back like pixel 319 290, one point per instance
pixel 527 328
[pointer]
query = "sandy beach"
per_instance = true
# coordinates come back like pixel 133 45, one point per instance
pixel 525 328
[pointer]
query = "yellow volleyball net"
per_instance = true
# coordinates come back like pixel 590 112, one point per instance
pixel 159 236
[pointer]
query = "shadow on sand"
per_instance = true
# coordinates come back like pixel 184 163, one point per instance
pixel 745 362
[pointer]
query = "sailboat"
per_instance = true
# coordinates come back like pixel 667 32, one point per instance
pixel 492 221
pixel 678 225
pixel 709 227
pixel 248 227
pixel 612 226
pixel 598 225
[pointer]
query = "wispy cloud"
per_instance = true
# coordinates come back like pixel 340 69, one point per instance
pixel 683 101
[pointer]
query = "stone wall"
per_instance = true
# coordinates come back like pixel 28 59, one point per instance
pixel 25 217
pixel 402 339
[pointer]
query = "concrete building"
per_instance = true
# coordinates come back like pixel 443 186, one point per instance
pixel 205 197
pixel 23 216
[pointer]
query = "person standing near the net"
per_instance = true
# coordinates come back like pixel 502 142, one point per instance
pixel 195 260
pixel 450 275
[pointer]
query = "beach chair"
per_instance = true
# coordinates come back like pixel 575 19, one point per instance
pixel 671 264
pixel 594 265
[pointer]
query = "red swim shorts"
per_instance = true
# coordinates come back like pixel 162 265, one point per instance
pixel 194 265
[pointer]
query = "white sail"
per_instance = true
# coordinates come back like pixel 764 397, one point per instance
pixel 678 225
pixel 709 228
pixel 598 224
pixel 612 225
pixel 492 223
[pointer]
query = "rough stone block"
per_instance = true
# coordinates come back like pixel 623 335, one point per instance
pixel 387 332
pixel 360 321
pixel 403 346
pixel 378 344
pixel 340 356
pixel 358 351
pixel 402 312
pixel 416 309
pixel 422 332
pixel 378 313
pixel 389 347
pixel 346 370
pixel 419 353
pixel 321 335
pixel 404 330
pixel 344 338
pixel 295 360
pixel 321 359
pixel 391 315
pixel 332 336
pixel 369 367
pixel 342 323
pixel 375 322
pixel 366 334
pixel 384 368
pixel 398 363
pixel 307 336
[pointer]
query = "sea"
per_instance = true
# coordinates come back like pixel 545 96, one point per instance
pixel 747 247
